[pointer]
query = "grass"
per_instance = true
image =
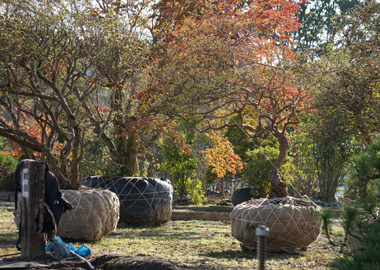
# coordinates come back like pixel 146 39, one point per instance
pixel 8 231
pixel 191 242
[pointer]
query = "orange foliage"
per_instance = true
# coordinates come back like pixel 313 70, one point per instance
pixel 175 139
pixel 33 129
pixel 222 157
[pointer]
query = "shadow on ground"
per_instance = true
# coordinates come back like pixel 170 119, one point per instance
pixel 106 262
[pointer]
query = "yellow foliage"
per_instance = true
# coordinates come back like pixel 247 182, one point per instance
pixel 222 157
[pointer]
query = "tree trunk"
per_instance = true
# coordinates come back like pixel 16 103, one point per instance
pixel 124 146
pixel 220 186
pixel 124 152
pixel 182 188
pixel 278 188
pixel 76 157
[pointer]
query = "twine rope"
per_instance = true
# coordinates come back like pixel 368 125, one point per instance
pixel 94 214
pixel 298 231
pixel 141 194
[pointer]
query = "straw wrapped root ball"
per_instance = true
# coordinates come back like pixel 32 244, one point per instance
pixel 95 214
pixel 291 221
pixel 143 200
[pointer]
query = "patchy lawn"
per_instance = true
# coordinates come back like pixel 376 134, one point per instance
pixel 180 244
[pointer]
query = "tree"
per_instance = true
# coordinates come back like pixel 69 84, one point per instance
pixel 257 153
pixel 47 82
pixel 344 83
pixel 319 19
pixel 233 59
pixel 259 162
pixel 346 80
pixel 221 156
pixel 326 158
pixel 242 142
pixel 107 45
pixel 331 160
pixel 138 37
pixel 121 60
pixel 178 159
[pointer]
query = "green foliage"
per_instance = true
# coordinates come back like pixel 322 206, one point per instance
pixel 364 173
pixel 349 216
pixel 194 189
pixel 7 167
pixel 368 204
pixel 324 217
pixel 344 82
pixel 97 161
pixel 3 143
pixel 322 151
pixel 242 142
pixel 258 153
pixel 257 167
pixel 365 227
pixel 305 172
pixel 318 18
pixel 331 159
pixel 349 219
pixel 179 162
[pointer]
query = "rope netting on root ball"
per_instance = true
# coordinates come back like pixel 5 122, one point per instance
pixel 143 201
pixel 95 214
pixel 292 223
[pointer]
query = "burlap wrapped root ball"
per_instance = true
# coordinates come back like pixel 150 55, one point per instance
pixel 292 223
pixel 143 200
pixel 95 214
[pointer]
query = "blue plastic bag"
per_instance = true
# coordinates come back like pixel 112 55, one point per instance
pixel 83 251
pixel 61 250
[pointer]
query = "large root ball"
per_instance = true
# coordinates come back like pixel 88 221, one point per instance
pixel 291 221
pixel 95 214
pixel 143 201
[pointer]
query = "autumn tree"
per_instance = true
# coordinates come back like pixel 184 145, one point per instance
pixel 111 42
pixel 47 82
pixel 234 60
pixel 138 37
pixel 119 61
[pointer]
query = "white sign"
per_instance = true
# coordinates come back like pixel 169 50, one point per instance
pixel 25 182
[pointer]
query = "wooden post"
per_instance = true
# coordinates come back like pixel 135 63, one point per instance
pixel 33 194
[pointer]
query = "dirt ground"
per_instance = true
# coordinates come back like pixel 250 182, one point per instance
pixel 106 262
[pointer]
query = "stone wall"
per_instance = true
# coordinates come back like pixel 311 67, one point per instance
pixel 7 196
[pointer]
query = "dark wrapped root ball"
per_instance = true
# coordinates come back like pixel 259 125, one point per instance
pixel 143 201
